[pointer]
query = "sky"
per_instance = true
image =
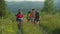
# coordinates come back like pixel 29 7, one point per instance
pixel 24 0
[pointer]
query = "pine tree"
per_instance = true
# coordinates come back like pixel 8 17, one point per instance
pixel 3 8
pixel 48 6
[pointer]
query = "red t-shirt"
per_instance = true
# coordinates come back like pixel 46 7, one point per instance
pixel 19 15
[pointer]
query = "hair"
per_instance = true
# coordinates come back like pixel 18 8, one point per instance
pixel 18 9
pixel 33 9
pixel 29 12
pixel 19 12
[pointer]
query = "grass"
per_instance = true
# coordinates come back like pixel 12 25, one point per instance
pixel 29 28
pixel 48 21
pixel 51 22
pixel 9 27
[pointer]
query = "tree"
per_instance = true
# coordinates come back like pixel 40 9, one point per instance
pixel 48 6
pixel 3 8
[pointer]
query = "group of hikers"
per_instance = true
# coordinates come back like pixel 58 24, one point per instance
pixel 32 16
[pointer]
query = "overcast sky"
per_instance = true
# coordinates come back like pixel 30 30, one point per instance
pixel 25 0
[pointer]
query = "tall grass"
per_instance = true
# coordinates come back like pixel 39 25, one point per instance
pixel 8 25
pixel 50 22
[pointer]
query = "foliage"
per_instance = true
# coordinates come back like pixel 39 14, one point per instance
pixel 48 6
pixel 3 8
pixel 51 22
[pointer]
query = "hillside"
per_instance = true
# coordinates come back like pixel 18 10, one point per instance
pixel 49 24
pixel 13 6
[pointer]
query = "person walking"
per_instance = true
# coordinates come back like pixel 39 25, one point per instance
pixel 29 16
pixel 19 18
pixel 33 16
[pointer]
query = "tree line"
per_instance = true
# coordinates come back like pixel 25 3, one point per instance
pixel 48 7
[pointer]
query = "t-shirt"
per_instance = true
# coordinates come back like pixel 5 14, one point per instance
pixel 19 15
pixel 33 14
pixel 37 15
pixel 28 15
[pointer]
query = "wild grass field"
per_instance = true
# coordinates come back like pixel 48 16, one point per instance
pixel 50 24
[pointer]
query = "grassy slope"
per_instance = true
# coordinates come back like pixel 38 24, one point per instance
pixel 29 28
pixel 49 22
pixel 9 27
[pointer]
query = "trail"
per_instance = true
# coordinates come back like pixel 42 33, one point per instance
pixel 29 28
pixel 20 31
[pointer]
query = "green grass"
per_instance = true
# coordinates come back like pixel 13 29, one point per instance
pixel 48 22
pixel 9 27
pixel 29 28
pixel 0 26
pixel 51 22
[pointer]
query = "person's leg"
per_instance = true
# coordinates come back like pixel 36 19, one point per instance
pixel 38 21
pixel 31 20
pixel 27 19
pixel 19 23
pixel 18 26
pixel 34 20
pixel 22 23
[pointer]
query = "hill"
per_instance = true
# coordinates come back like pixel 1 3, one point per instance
pixel 13 6
pixel 27 5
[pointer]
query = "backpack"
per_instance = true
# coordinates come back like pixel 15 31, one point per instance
pixel 37 15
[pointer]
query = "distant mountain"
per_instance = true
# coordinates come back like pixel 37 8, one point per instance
pixel 57 4
pixel 13 6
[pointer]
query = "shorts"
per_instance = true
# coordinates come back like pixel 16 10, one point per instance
pixel 28 18
pixel 32 19
pixel 36 19
pixel 20 20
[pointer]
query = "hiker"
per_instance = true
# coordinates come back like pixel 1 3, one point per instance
pixel 28 16
pixel 37 18
pixel 33 16
pixel 19 18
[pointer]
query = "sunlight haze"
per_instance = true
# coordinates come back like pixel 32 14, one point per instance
pixel 24 0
